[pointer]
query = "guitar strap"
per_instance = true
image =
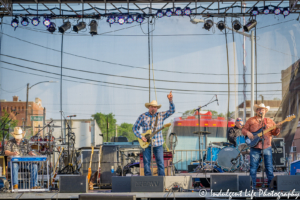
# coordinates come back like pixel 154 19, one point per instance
pixel 155 125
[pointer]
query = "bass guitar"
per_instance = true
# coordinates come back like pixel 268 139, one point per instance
pixel 257 135
pixel 148 135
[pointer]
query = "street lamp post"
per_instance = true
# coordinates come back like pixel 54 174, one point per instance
pixel 27 93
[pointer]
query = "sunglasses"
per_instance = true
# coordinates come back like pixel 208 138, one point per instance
pixel 239 120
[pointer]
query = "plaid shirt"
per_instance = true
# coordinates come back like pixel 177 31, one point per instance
pixel 23 149
pixel 147 121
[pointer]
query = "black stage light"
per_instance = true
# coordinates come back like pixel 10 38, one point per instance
pixel 25 21
pixel 52 27
pixel 266 10
pixel 236 24
pixel 79 26
pixel 250 25
pixel 93 27
pixel 221 25
pixel 35 21
pixel 15 22
pixel 255 11
pixel 208 24
pixel 63 28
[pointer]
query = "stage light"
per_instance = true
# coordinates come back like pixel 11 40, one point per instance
pixel 266 10
pixel 250 25
pixel 46 22
pixel 121 20
pixel 285 12
pixel 25 21
pixel 35 21
pixel 255 11
pixel 52 27
pixel 15 22
pixel 140 19
pixel 63 28
pixel 111 19
pixel 93 27
pixel 159 14
pixel 221 25
pixel 208 24
pixel 277 11
pixel 236 24
pixel 187 11
pixel 79 26
pixel 169 12
pixel 178 11
pixel 129 19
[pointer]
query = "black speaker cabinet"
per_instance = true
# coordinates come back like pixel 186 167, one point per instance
pixel 110 153
pixel 286 183
pixel 147 184
pixel 107 196
pixel 224 182
pixel 121 184
pixel 73 184
pixel 245 183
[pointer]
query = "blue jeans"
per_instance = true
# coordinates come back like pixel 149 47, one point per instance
pixel 255 155
pixel 159 157
pixel 33 172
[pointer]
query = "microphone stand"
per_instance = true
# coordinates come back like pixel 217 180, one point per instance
pixel 262 152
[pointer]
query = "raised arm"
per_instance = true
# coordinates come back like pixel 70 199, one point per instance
pixel 169 112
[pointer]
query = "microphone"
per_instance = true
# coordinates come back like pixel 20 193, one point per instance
pixel 217 100
pixel 72 116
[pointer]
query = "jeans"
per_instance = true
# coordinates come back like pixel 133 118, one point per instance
pixel 159 157
pixel 255 155
pixel 33 172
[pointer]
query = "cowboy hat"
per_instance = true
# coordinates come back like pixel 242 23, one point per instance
pixel 152 103
pixel 18 133
pixel 267 108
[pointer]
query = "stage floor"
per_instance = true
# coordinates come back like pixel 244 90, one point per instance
pixel 207 175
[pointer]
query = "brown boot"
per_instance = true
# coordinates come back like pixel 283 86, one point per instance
pixel 16 187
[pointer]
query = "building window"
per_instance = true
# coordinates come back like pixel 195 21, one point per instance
pixel 298 156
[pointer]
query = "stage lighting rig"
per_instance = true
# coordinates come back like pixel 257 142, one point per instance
pixel 121 20
pixel 169 12
pixel 63 28
pixel 93 27
pixel 140 19
pixel 277 11
pixel 35 21
pixel 236 24
pixel 52 27
pixel 46 22
pixel 129 19
pixel 111 19
pixel 208 24
pixel 24 21
pixel 251 24
pixel 15 22
pixel 159 14
pixel 285 12
pixel 187 11
pixel 178 11
pixel 266 10
pixel 80 26
pixel 255 11
pixel 221 25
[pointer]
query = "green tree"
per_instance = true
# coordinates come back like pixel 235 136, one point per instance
pixel 188 113
pixel 11 125
pixel 104 120
pixel 125 130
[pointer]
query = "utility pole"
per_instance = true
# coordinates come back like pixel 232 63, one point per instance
pixel 107 128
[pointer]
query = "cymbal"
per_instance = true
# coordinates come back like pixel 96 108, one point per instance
pixel 203 132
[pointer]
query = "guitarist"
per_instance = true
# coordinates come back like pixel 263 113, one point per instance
pixel 153 120
pixel 253 124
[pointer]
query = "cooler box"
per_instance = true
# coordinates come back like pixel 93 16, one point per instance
pixel 295 167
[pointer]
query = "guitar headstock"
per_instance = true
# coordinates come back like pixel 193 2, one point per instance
pixel 290 118
pixel 167 125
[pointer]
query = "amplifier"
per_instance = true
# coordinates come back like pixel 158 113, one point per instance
pixel 224 182
pixel 245 183
pixel 286 183
pixel 278 152
pixel 121 184
pixel 147 184
pixel 85 153
pixel 107 196
pixel 73 184
pixel 184 182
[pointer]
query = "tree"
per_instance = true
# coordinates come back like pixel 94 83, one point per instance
pixel 125 130
pixel 104 120
pixel 11 125
pixel 188 113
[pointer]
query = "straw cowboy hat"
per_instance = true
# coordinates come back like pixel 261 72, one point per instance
pixel 267 108
pixel 152 103
pixel 18 133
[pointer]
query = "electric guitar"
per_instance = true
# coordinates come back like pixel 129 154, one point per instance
pixel 90 167
pixel 54 176
pixel 257 135
pixel 99 165
pixel 148 135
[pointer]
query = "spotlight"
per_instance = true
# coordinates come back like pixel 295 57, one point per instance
pixel 24 21
pixel 121 20
pixel 15 22
pixel 277 11
pixel 169 12
pixel 111 19
pixel 46 22
pixel 266 10
pixel 208 24
pixel 35 21
pixel 178 11
pixel 250 25
pixel 285 12
pixel 187 11
pixel 52 27
pixel 93 27
pixel 140 19
pixel 221 25
pixel 236 24
pixel 129 19
pixel 63 28
pixel 79 26
pixel 255 11
pixel 159 14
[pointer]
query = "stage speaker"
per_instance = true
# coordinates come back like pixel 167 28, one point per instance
pixel 73 184
pixel 121 184
pixel 184 182
pixel 107 196
pixel 191 168
pixel 285 183
pixel 147 184
pixel 224 182
pixel 245 183
pixel 106 175
pixel 110 153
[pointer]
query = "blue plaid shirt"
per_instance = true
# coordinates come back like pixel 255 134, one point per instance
pixel 146 119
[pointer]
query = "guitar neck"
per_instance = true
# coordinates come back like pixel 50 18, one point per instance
pixel 270 129
pixel 156 131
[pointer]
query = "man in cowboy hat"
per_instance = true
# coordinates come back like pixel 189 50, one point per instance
pixel 18 146
pixel 147 121
pixel 253 124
